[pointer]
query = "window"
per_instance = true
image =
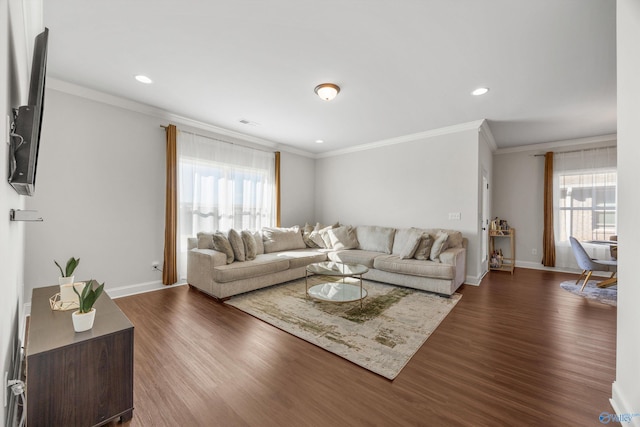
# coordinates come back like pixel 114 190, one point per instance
pixel 221 186
pixel 585 201
pixel 587 205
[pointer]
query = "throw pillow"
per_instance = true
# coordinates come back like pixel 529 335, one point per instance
pixel 250 246
pixel 410 246
pixel 315 237
pixel 439 245
pixel 343 237
pixel 205 240
pixel 375 239
pixel 423 251
pixel 221 244
pixel 259 243
pixel 306 236
pixel 282 239
pixel 236 244
pixel 324 235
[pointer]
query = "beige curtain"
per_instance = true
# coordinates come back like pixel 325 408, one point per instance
pixel 277 189
pixel 548 240
pixel 170 270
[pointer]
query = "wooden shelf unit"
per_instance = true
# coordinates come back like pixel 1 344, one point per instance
pixel 508 262
pixel 78 379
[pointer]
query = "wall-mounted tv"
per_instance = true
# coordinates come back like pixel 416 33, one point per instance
pixel 27 122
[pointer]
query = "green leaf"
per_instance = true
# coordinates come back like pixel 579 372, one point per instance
pixel 71 266
pixel 89 295
pixel 61 272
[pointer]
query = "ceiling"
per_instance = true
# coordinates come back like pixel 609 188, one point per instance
pixel 404 67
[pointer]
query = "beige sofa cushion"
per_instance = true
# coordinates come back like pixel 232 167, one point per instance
pixel 249 243
pixel 205 240
pixel 374 238
pixel 282 239
pixel 414 267
pixel 354 256
pixel 221 244
pixel 236 244
pixel 439 245
pixel 423 251
pixel 261 266
pixel 343 237
pixel 259 243
pixel 302 257
pixel 306 236
pixel 411 244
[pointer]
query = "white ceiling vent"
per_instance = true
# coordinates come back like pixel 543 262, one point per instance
pixel 248 122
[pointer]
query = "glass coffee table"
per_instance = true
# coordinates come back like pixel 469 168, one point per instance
pixel 336 291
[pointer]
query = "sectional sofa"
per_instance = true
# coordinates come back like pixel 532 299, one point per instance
pixel 226 264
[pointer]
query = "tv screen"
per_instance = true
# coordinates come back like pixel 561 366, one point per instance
pixel 25 135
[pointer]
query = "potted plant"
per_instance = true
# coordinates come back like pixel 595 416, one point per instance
pixel 66 275
pixel 85 315
pixel 66 282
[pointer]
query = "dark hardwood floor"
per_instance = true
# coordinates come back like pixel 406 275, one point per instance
pixel 516 351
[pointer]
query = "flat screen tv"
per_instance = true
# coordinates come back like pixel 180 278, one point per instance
pixel 27 122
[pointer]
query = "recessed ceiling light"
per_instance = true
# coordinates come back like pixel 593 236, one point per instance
pixel 480 91
pixel 143 79
pixel 319 141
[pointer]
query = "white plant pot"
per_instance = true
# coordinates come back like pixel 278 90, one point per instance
pixel 66 280
pixel 68 296
pixel 83 321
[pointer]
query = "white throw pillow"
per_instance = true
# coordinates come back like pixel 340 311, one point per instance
pixel 282 239
pixel 410 246
pixel 439 245
pixel 343 237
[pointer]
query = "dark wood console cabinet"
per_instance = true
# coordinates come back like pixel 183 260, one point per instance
pixel 78 379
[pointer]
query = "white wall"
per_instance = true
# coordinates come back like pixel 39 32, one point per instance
pixel 410 184
pixel 626 388
pixel 13 93
pixel 100 190
pixel 518 177
pixel 297 174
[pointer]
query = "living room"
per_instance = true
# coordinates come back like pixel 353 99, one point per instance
pixel 103 159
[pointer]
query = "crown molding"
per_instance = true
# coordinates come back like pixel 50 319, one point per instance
pixel 546 146
pixel 127 104
pixel 485 131
pixel 475 125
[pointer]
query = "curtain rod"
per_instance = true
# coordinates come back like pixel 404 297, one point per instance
pixel 221 140
pixel 576 151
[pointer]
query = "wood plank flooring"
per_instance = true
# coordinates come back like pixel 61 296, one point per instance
pixel 516 351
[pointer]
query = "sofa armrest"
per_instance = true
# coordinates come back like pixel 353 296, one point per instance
pixel 192 243
pixel 200 264
pixel 458 258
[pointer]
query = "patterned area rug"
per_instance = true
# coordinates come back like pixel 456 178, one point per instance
pixel 392 325
pixel 592 291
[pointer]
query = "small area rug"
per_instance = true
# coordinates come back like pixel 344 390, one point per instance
pixel 592 291
pixel 392 325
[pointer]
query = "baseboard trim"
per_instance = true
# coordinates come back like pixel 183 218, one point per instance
pixel 139 288
pixel 123 291
pixel 473 280
pixel 538 266
pixel 622 407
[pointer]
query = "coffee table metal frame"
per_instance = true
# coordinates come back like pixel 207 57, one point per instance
pixel 344 270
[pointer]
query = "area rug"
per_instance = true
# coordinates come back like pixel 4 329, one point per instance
pixel 392 325
pixel 592 291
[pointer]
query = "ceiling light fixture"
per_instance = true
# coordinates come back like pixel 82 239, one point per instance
pixel 480 91
pixel 327 91
pixel 319 141
pixel 143 79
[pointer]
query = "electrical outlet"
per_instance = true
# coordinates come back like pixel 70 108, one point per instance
pixel 454 216
pixel 5 389
pixel 534 251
